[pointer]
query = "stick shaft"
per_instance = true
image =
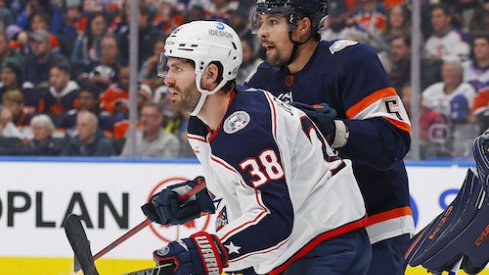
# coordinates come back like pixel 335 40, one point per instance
pixel 143 224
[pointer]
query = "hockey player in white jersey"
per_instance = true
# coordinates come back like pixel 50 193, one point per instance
pixel 285 203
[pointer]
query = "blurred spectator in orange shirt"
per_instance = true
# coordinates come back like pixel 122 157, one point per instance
pixel 117 92
pixel 370 15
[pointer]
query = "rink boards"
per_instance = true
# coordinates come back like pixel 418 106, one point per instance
pixel 36 195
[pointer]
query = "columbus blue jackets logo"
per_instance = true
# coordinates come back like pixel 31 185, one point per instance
pixel 235 122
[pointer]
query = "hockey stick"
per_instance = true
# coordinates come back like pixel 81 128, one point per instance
pixel 81 245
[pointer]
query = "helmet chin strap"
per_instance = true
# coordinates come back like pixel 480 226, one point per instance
pixel 204 93
pixel 293 55
pixel 199 105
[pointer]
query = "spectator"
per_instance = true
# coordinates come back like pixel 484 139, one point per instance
pixel 152 141
pixel 195 13
pixel 167 17
pixel 337 22
pixel 440 96
pixel 105 72
pixel 7 128
pixel 43 143
pixel 481 109
pixel 74 20
pixel 400 60
pixel 43 6
pixel 89 141
pixel 147 36
pixel 19 40
pixel 433 129
pixel 445 42
pixel 87 47
pixel 35 72
pixel 176 123
pixel 370 15
pixel 10 76
pixel 398 23
pixel 239 20
pixel 465 10
pixel 62 94
pixel 480 20
pixel 218 9
pixel 476 70
pixel 40 21
pixel 7 53
pixel 250 60
pixel 454 99
pixel 147 73
pixel 14 102
pixel 7 17
pixel 87 101
pixel 117 93
pixel 145 95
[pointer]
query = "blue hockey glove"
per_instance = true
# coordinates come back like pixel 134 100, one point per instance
pixel 165 207
pixel 323 116
pixel 200 254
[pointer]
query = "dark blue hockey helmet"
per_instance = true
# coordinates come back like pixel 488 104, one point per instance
pixel 293 11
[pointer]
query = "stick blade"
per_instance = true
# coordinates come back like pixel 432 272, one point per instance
pixel 165 269
pixel 80 244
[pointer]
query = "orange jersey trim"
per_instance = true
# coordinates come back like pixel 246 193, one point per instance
pixel 369 100
pixel 399 124
pixel 364 103
pixel 388 215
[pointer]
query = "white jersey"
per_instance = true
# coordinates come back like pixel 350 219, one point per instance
pixel 449 46
pixel 435 97
pixel 279 190
pixel 475 76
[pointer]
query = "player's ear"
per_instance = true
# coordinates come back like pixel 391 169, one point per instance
pixel 210 74
pixel 303 29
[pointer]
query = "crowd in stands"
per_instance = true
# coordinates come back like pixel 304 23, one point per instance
pixel 64 76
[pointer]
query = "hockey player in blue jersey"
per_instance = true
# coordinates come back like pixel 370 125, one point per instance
pixel 363 118
pixel 285 203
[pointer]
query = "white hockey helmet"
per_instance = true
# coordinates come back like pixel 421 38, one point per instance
pixel 204 42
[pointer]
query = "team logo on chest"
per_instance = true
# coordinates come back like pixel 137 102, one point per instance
pixel 235 122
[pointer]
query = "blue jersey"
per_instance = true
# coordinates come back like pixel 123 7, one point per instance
pixel 349 77
pixel 279 189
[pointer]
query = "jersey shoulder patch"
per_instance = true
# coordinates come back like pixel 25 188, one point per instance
pixel 340 45
pixel 236 121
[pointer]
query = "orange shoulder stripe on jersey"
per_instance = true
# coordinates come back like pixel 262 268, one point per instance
pixel 399 124
pixel 384 216
pixel 364 103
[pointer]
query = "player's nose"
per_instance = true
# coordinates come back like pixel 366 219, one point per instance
pixel 169 80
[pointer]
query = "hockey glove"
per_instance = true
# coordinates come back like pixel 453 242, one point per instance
pixel 323 116
pixel 165 208
pixel 200 254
